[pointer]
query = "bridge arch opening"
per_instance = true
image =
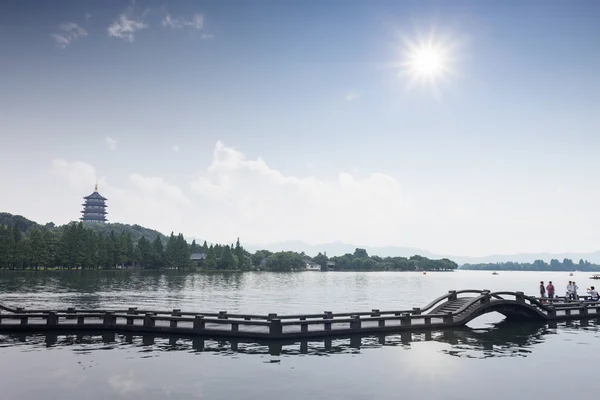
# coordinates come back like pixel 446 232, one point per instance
pixel 486 319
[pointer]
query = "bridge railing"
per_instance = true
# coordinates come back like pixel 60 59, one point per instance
pixel 451 295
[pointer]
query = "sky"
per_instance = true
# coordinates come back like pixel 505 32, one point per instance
pixel 463 128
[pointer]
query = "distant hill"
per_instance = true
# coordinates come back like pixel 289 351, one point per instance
pixel 136 231
pixel 24 224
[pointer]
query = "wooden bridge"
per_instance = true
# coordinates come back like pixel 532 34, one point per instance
pixel 456 308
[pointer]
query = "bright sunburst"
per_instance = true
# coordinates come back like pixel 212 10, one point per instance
pixel 427 60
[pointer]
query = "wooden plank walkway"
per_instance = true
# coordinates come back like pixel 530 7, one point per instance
pixel 453 309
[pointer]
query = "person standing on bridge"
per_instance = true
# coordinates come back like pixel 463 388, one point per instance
pixel 570 295
pixel 550 289
pixel 575 287
pixel 542 289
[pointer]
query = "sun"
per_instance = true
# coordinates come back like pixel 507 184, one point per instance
pixel 426 61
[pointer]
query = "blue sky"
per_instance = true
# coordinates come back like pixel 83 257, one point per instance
pixel 297 120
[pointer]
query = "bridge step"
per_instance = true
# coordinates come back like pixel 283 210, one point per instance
pixel 451 306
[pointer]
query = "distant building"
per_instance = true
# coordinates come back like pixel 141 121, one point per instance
pixel 198 258
pixel 94 208
pixel 330 265
pixel 312 266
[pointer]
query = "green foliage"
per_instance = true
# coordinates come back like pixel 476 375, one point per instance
pixel 26 244
pixel 360 261
pixel 537 265
pixel 285 261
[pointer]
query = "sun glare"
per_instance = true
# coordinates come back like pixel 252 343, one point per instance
pixel 427 60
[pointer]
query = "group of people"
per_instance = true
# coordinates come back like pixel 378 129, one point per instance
pixel 548 291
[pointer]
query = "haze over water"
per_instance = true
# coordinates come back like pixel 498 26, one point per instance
pixel 490 359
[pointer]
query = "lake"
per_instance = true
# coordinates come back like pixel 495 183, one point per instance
pixel 490 359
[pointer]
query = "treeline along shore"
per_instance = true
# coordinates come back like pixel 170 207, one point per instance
pixel 24 245
pixel 538 265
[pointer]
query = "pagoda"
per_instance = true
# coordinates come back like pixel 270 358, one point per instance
pixel 94 208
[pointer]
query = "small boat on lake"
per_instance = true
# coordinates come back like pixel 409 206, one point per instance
pixel 595 276
pixel 494 273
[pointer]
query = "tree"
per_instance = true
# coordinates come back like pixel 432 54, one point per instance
pixel 239 253
pixel 321 259
pixel 23 252
pixel 194 248
pixel 227 260
pixel 211 258
pixel 157 253
pixel 360 253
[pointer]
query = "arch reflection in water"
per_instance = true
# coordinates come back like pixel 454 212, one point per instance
pixel 504 339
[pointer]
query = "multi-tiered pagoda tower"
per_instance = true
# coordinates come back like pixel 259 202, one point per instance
pixel 94 208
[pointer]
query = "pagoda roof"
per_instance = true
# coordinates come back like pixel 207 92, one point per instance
pixel 95 196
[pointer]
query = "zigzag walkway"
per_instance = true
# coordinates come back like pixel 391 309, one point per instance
pixel 456 308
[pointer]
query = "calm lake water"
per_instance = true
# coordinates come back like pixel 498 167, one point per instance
pixel 489 359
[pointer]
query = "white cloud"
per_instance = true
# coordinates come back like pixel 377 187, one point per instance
pixel 195 22
pixel 68 32
pixel 260 202
pixel 125 26
pixel 112 143
pixel 352 97
pixel 154 186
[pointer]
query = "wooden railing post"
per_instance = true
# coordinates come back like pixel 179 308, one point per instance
pixel 199 323
pixel 71 313
pixel 327 325
pixel 453 295
pixel 109 319
pixel 486 298
pixel 275 328
pixel 52 318
pixel 520 296
pixel 132 310
pixel 235 327
pixel 448 318
pixel 173 323
pixel 551 311
pixel 416 311
pixel 24 320
pixel 406 320
pixel 148 320
pixel 271 316
pixel 80 320
pixel 222 315
pixel 303 327
pixel 375 313
pixel 381 323
pixel 355 323
pixel 328 315
pixel 176 312
pixel 583 310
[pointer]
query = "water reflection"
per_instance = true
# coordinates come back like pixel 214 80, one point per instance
pixel 504 339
